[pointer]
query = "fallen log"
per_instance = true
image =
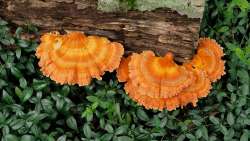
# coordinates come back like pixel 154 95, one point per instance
pixel 160 30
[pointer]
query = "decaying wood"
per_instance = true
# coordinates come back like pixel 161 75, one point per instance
pixel 160 30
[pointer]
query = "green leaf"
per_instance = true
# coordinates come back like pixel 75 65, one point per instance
pixel 16 124
pixel 2 22
pixel 7 98
pixel 23 43
pixel 230 118
pixel 244 136
pixel 230 87
pixel 109 128
pixel 198 133
pixel 39 84
pixel 121 130
pixel 71 123
pixel 244 89
pixel 19 30
pixel 223 130
pixel 124 138
pixel 87 131
pixel 62 138
pixel 18 92
pixel 10 137
pixel 28 138
pixel 60 104
pixel 243 76
pixel 27 93
pixel 16 72
pixel 204 132
pixel 92 98
pixel 118 111
pixel 65 90
pixel 30 67
pixel 7 42
pixel 223 29
pixel 142 115
pixel 22 82
pixel 181 138
pixel 107 137
pixel 18 53
pixel 3 83
pixel 190 136
pixel 243 4
pixel 214 120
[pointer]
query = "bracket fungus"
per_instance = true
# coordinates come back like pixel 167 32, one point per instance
pixel 208 58
pixel 122 71
pixel 158 76
pixel 75 58
pixel 159 83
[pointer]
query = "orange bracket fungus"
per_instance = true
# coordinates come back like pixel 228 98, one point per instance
pixel 158 76
pixel 208 58
pixel 159 83
pixel 75 58
pixel 122 71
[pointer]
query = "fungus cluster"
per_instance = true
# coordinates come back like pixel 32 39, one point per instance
pixel 160 83
pixel 75 58
pixel 154 82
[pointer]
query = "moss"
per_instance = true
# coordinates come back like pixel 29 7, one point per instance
pixel 191 8
pixel 108 5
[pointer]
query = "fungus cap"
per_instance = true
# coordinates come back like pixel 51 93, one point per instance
pixel 75 58
pixel 208 57
pixel 158 77
pixel 122 71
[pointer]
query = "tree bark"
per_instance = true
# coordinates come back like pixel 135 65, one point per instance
pixel 160 30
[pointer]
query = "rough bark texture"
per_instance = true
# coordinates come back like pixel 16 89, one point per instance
pixel 160 30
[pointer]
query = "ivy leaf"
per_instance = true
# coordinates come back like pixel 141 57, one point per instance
pixel 27 93
pixel 39 84
pixel 65 90
pixel 244 136
pixel 71 123
pixel 7 98
pixel 124 138
pixel 121 130
pixel 2 22
pixel 23 43
pixel 107 137
pixel 62 138
pixel 18 92
pixel 109 128
pixel 27 138
pixel 181 138
pixel 18 53
pixel 204 132
pixel 230 118
pixel 16 72
pixel 22 82
pixel 243 4
pixel 214 120
pixel 198 133
pixel 142 115
pixel 10 137
pixel 87 131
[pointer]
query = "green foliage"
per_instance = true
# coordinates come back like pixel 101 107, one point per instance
pixel 34 108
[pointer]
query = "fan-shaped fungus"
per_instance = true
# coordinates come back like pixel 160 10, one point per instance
pixel 122 71
pixel 149 80
pixel 200 88
pixel 75 58
pixel 158 77
pixel 208 57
